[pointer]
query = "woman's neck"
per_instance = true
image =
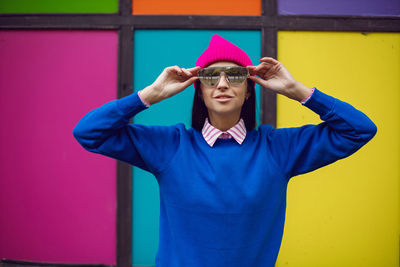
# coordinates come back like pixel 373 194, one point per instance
pixel 223 122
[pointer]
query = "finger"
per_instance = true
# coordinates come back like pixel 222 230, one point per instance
pixel 251 69
pixel 180 72
pixel 190 81
pixel 263 67
pixel 194 70
pixel 258 68
pixel 177 70
pixel 258 80
pixel 174 70
pixel 187 73
pixel 269 60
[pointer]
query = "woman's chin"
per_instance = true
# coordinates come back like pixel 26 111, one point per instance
pixel 224 111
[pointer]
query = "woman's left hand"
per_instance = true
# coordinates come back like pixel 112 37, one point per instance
pixel 274 76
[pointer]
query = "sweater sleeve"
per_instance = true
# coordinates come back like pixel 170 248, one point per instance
pixel 343 131
pixel 106 130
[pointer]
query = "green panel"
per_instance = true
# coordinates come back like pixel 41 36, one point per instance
pixel 59 6
pixel 153 51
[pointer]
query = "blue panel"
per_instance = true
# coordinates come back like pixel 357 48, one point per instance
pixel 153 51
pixel 340 7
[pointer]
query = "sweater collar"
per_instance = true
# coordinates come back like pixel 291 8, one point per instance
pixel 211 134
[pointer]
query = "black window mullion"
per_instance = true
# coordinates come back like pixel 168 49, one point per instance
pixel 124 170
pixel 268 98
pixel 268 48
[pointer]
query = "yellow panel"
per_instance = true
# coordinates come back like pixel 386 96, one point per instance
pixel 345 214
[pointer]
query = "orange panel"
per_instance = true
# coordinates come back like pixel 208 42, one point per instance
pixel 204 7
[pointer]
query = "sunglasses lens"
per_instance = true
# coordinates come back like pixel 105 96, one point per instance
pixel 210 76
pixel 207 78
pixel 236 75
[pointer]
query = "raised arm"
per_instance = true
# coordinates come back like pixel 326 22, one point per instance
pixel 299 150
pixel 106 129
pixel 303 149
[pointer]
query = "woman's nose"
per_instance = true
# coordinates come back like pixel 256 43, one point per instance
pixel 223 82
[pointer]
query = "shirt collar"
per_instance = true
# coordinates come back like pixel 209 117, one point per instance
pixel 211 134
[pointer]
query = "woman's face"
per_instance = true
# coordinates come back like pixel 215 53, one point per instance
pixel 224 98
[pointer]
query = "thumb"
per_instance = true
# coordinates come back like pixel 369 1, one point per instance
pixel 260 81
pixel 190 81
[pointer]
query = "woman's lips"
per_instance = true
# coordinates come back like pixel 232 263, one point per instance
pixel 223 98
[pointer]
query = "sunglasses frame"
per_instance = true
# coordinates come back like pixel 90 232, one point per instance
pixel 202 78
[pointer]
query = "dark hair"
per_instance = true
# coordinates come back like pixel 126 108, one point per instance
pixel 248 113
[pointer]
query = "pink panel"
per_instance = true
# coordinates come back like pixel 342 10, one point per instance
pixel 57 200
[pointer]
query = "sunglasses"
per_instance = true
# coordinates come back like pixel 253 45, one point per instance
pixel 234 75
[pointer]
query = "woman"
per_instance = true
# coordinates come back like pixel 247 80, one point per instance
pixel 223 182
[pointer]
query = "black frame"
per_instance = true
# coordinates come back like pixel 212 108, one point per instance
pixel 270 22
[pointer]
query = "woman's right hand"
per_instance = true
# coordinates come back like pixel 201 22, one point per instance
pixel 170 82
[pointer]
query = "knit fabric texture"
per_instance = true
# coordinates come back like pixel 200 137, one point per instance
pixel 223 205
pixel 220 49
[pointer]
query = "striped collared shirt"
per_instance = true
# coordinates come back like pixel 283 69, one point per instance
pixel 211 134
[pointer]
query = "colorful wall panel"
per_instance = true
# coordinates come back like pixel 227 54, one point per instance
pixel 345 214
pixel 57 200
pixel 339 7
pixel 154 50
pixel 59 6
pixel 205 7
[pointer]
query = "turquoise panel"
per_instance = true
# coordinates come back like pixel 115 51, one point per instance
pixel 153 51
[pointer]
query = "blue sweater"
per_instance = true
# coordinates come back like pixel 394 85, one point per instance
pixel 223 205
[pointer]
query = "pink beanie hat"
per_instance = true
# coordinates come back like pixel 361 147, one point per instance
pixel 220 49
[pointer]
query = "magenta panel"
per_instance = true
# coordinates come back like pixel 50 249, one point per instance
pixel 57 200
